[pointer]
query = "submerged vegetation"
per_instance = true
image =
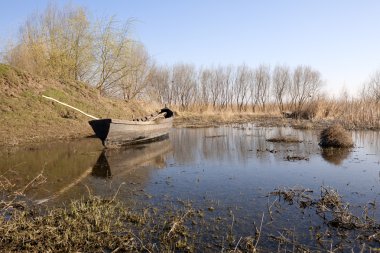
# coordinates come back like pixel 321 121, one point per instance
pixel 341 222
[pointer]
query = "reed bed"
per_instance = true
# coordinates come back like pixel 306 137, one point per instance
pixel 355 114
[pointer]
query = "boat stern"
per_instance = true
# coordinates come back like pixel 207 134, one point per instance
pixel 101 128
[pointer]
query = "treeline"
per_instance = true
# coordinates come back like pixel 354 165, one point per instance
pixel 65 43
pixel 242 87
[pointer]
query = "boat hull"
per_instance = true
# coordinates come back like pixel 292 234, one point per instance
pixel 116 133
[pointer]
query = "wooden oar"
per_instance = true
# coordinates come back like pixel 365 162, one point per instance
pixel 72 107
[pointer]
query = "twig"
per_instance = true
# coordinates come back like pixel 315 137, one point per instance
pixel 269 208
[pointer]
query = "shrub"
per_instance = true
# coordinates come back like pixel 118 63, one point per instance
pixel 335 136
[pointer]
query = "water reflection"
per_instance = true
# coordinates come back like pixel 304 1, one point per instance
pixel 113 163
pixel 228 169
pixel 335 156
pixel 71 168
pixel 239 144
pixel 61 163
pixel 101 167
pixel 369 139
pixel 128 170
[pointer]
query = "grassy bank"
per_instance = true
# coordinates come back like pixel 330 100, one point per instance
pixel 95 224
pixel 27 117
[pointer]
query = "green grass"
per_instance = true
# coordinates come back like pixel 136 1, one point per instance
pixel 3 69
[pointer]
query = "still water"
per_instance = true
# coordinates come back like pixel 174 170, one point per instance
pixel 226 171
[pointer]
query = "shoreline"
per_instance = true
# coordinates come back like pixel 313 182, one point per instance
pixel 80 130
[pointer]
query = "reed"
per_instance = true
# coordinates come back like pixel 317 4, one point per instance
pixel 355 114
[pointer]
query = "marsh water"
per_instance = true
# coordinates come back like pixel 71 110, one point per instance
pixel 227 173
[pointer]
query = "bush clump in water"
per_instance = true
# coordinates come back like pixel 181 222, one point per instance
pixel 335 136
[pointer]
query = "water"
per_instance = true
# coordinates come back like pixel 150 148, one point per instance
pixel 227 172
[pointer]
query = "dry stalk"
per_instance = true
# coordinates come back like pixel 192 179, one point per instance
pixel 178 222
pixel 258 237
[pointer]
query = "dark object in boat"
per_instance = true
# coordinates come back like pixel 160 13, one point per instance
pixel 116 132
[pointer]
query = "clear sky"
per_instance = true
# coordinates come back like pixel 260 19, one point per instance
pixel 340 38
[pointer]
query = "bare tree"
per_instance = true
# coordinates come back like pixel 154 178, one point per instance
pixel 112 53
pixel 159 84
pixel 281 84
pixel 184 85
pixel 261 86
pixel 137 75
pixel 206 79
pixel 305 85
pixel 243 80
pixel 374 86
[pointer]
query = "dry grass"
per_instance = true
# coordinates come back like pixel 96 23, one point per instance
pixel 94 225
pixel 335 137
pixel 27 117
pixel 284 139
pixel 106 225
pixel 351 113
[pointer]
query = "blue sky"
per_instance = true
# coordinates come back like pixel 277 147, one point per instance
pixel 340 38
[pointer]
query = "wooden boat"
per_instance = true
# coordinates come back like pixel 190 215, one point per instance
pixel 116 132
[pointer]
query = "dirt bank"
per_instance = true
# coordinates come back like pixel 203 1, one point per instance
pixel 27 117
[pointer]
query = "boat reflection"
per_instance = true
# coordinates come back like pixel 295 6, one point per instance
pixel 130 167
pixel 113 163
